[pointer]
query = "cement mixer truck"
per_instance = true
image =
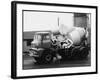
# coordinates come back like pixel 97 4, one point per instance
pixel 79 48
pixel 46 45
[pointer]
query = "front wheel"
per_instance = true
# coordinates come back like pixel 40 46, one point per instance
pixel 46 57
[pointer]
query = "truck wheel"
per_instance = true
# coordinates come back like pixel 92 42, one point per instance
pixel 46 57
pixel 75 53
pixel 84 52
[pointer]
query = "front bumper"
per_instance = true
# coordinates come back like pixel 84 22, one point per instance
pixel 35 52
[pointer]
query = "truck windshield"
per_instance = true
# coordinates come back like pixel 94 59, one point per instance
pixel 37 37
pixel 46 37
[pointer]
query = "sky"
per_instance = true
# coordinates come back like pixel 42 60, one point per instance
pixel 41 21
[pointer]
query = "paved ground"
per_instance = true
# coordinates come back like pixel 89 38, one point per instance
pixel 28 63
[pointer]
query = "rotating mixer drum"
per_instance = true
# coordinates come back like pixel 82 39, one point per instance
pixel 76 35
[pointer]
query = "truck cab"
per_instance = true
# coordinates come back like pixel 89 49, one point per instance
pixel 40 47
pixel 41 40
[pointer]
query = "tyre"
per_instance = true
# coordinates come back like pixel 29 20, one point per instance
pixel 46 57
pixel 84 52
pixel 75 53
pixel 80 52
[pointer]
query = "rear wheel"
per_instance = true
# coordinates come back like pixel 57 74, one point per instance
pixel 84 52
pixel 75 53
pixel 80 53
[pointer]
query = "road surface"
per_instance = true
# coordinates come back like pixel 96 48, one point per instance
pixel 28 63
